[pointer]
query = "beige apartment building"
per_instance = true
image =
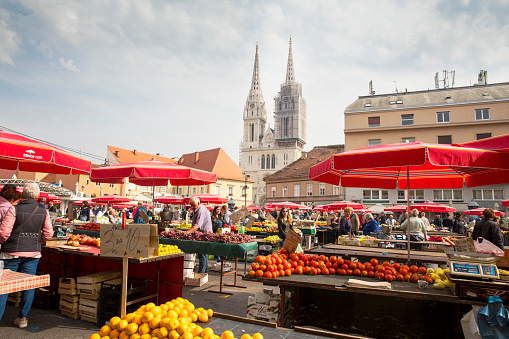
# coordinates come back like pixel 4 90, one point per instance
pixel 292 182
pixel 448 115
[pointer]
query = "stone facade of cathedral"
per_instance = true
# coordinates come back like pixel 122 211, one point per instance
pixel 266 150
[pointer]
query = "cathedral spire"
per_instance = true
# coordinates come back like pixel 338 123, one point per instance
pixel 290 73
pixel 255 93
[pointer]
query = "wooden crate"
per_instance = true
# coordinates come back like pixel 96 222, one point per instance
pixel 89 307
pixel 15 298
pixel 70 314
pixel 67 283
pixel 92 291
pixel 68 306
pixel 70 298
pixel 90 286
pixel 89 318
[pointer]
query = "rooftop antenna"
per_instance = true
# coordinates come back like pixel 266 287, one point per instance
pixel 371 91
pixel 395 86
pixel 445 79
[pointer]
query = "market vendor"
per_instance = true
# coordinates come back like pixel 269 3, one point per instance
pixel 371 226
pixel 345 226
pixel 488 229
pixel 284 223
pixel 201 223
pixel 23 228
pixel 417 228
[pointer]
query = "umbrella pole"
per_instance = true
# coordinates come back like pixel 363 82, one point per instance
pixel 153 195
pixel 408 210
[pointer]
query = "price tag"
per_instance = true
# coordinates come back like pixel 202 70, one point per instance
pixel 239 214
pixel 250 222
pixel 465 245
pixel 133 241
pixel 292 240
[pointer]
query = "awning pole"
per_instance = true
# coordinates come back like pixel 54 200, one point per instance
pixel 408 211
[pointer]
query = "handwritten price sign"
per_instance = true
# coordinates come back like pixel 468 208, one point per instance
pixel 133 241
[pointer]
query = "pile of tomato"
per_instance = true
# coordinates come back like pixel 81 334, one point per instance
pixel 90 226
pixel 284 264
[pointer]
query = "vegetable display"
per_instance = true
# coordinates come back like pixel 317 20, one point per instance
pixel 226 238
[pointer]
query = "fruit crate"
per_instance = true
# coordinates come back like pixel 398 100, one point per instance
pixel 67 286
pixel 89 286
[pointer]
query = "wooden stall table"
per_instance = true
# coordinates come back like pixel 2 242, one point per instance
pixel 221 249
pixel 432 245
pixel 378 252
pixel 479 289
pixel 404 311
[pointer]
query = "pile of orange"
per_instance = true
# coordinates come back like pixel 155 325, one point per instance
pixel 175 319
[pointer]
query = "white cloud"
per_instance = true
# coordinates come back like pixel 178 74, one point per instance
pixel 8 41
pixel 68 65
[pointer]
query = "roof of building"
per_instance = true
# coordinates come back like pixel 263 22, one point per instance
pixel 300 167
pixel 126 156
pixel 216 161
pixel 434 97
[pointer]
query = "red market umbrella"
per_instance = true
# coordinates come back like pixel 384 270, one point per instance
pixel 321 209
pixel 111 199
pixel 362 210
pixel 397 208
pixel 341 205
pixel 505 203
pixel 414 165
pixel 80 202
pixel 206 198
pixel 153 173
pixel 287 204
pixel 57 201
pixel 25 154
pixel 478 211
pixel 251 208
pixel 170 199
pixel 433 207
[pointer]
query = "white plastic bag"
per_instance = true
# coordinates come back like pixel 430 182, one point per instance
pixel 469 324
pixel 487 247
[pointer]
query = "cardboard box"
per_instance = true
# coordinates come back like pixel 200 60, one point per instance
pixel 188 264
pixel 264 306
pixel 189 256
pixel 198 279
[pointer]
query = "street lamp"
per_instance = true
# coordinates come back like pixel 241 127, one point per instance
pixel 472 204
pixel 246 176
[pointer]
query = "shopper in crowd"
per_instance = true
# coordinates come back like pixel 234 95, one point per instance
pixel 98 213
pixel 418 231
pixel 371 225
pixel 503 223
pixel 284 223
pixel 488 229
pixel 296 214
pixel 22 230
pixel 166 214
pixel 226 215
pixel 437 221
pixel 345 225
pixel 447 222
pixel 217 223
pixel 43 203
pixel 355 221
pixel 137 215
pixel 176 213
pixel 274 213
pixel 13 197
pixel 425 220
pixel 111 216
pixel 458 225
pixel 390 220
pixel 84 212
pixel 334 223
pixel 403 216
pixel 4 203
pixel 201 223
pixel 261 215
pixel 185 213
pixel 51 207
pixel 383 218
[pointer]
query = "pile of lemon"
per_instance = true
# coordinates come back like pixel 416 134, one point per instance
pixel 167 249
pixel 176 319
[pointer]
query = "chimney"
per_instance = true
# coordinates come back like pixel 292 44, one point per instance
pixel 196 157
pixel 116 154
pixel 134 152
pixel 304 155
pixel 181 161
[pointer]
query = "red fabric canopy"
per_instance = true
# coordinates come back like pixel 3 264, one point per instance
pixel 18 152
pixel 431 166
pixel 251 208
pixel 287 204
pixel 478 211
pixel 206 198
pixel 111 199
pixel 341 205
pixel 397 208
pixel 505 203
pixel 170 199
pixel 432 207
pixel 153 173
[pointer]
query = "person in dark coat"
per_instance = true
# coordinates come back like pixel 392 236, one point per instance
pixel 437 221
pixel 458 224
pixel 488 229
pixel 447 222
pixel 345 226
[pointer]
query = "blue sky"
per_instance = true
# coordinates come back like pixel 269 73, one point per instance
pixel 172 77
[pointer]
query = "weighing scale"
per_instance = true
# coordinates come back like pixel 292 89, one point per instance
pixel 473 265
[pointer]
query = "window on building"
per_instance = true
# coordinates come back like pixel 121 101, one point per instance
pixel 374 142
pixel 268 161
pixel 488 194
pixel 482 114
pixel 163 189
pixel 285 159
pixel 273 191
pixel 263 161
pixel 142 188
pixel 408 139
pixel 194 191
pixel 407 119
pixel 180 190
pixel 445 139
pixel 230 190
pixel 217 190
pixel 443 117
pixel 98 184
pixel 243 191
pixel 481 136
pixel 273 161
pixel 252 132
pixel 446 195
pixel 309 189
pixel 173 190
pixel 373 121
pixel 285 191
pixel 202 189
pixel 111 185
pixel 375 195
pixel 296 190
pixel 415 195
pixel 336 190
pixel 321 189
